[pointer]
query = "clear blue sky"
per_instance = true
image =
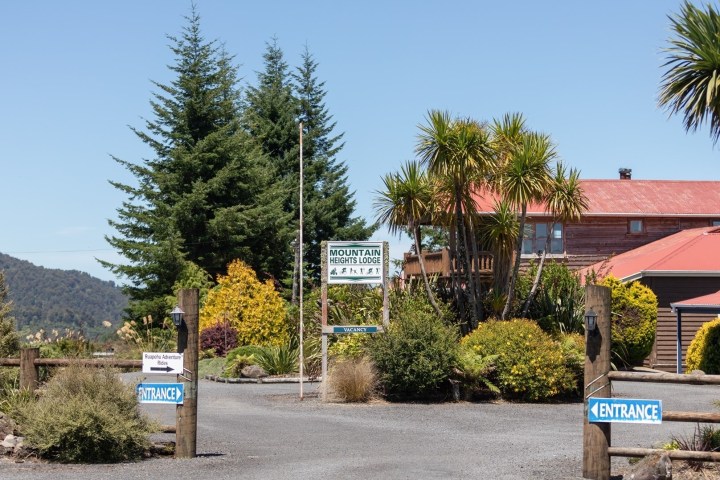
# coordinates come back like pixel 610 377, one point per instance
pixel 76 74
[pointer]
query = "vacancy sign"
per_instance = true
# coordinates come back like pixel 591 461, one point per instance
pixel 624 410
pixel 159 362
pixel 354 262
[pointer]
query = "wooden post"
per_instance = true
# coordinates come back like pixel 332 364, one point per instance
pixel 596 436
pixel 324 317
pixel 188 344
pixel 28 370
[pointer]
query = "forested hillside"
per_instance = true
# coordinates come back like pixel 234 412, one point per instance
pixel 58 299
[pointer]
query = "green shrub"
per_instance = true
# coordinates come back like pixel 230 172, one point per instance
pixel 417 353
pixel 475 371
pixel 704 350
pixel 559 303
pixel 279 359
pixel 634 320
pixel 85 416
pixel 353 379
pixel 530 365
pixel 233 368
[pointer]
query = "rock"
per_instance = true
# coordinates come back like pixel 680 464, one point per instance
pixel 653 467
pixel 253 371
pixel 7 425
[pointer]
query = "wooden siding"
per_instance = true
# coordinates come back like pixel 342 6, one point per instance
pixel 609 235
pixel 670 290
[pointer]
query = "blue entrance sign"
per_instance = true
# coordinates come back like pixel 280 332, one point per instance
pixel 352 329
pixel 160 393
pixel 624 410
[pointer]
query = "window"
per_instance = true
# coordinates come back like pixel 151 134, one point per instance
pixel 636 226
pixel 716 223
pixel 536 236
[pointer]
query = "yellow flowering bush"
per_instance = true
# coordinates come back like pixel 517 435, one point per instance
pixel 703 352
pixel 252 307
pixel 530 364
pixel 634 320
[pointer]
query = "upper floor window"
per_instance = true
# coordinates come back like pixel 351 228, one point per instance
pixel 636 226
pixel 535 238
pixel 716 223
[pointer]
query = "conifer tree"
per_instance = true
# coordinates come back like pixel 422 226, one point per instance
pixel 206 197
pixel 273 110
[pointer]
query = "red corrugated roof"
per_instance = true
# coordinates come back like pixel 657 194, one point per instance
pixel 676 198
pixel 690 252
pixel 712 300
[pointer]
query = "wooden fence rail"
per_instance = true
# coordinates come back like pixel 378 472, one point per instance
pixel 598 382
pixel 30 363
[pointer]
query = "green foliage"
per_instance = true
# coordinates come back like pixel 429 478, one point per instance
pixel 634 320
pixel 704 350
pixel 234 366
pixel 530 365
pixel 559 304
pixel 475 370
pixel 85 416
pixel 207 195
pixel 353 379
pixel 279 359
pixel 416 354
pixel 9 343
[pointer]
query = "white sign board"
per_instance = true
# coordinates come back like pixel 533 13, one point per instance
pixel 159 362
pixel 354 262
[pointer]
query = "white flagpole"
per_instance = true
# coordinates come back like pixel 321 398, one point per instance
pixel 302 324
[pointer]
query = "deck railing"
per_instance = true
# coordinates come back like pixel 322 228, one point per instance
pixel 438 264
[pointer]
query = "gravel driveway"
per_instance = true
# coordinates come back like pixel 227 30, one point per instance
pixel 265 432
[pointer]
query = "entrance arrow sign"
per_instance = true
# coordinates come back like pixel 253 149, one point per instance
pixel 160 393
pixel 624 410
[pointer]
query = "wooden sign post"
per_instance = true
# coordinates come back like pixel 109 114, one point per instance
pixel 188 344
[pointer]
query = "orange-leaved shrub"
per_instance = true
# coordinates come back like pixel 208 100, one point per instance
pixel 252 307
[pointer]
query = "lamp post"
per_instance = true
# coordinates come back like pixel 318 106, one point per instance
pixel 177 315
pixel 591 321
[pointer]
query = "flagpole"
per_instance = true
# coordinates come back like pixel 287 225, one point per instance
pixel 302 324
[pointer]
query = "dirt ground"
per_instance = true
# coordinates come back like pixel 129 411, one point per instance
pixel 683 471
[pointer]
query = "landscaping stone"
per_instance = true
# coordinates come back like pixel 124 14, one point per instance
pixel 253 371
pixel 653 467
pixel 7 425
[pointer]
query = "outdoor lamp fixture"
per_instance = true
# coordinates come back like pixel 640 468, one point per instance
pixel 177 315
pixel 591 321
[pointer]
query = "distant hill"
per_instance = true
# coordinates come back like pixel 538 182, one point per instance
pixel 58 299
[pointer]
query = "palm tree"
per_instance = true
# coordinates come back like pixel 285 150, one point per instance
pixel 460 151
pixel 526 178
pixel 691 84
pixel 566 202
pixel 405 202
pixel 500 231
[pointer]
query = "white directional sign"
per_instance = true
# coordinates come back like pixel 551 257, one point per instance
pixel 160 393
pixel 355 262
pixel 624 410
pixel 159 362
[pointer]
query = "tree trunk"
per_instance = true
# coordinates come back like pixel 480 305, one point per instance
pixel 465 256
pixel 476 274
pixel 535 285
pixel 431 297
pixel 454 273
pixel 516 266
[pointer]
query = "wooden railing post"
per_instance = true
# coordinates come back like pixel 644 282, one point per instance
pixel 29 376
pixel 188 345
pixel 596 436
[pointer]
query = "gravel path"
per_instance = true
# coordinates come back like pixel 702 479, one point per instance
pixel 266 432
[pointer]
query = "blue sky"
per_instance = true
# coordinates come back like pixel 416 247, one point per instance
pixel 76 74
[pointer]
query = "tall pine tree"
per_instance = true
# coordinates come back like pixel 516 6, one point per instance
pixel 330 203
pixel 273 109
pixel 207 196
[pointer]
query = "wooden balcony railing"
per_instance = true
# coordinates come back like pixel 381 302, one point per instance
pixel 438 264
